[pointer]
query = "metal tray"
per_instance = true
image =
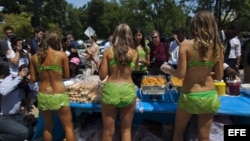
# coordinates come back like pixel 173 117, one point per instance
pixel 154 89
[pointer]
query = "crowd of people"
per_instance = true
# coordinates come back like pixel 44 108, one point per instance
pixel 34 72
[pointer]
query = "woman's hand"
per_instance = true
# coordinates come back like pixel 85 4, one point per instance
pixel 142 61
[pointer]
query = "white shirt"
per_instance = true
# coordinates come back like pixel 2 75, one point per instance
pixel 13 68
pixel 106 45
pixel 173 50
pixel 235 50
pixel 9 43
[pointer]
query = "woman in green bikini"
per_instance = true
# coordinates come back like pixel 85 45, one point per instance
pixel 202 55
pixel 119 93
pixel 51 64
pixel 143 51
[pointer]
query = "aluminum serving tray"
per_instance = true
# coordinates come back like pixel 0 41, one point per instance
pixel 154 89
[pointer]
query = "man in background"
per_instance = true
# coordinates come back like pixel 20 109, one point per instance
pixel 107 44
pixel 5 44
pixel 38 34
pixel 159 53
pixel 179 36
pixel 9 33
pixel 229 38
pixel 11 118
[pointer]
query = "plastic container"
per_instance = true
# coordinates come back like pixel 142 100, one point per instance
pixel 233 88
pixel 220 87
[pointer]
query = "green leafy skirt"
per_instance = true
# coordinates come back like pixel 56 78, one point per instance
pixel 199 102
pixel 118 94
pixel 52 101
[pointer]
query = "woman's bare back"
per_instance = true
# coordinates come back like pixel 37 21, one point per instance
pixel 51 79
pixel 198 78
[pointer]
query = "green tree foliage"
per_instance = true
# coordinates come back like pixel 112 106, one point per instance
pixel 73 23
pixel 226 11
pixel 19 23
pixel 104 15
pixel 16 6
pixel 162 15
pixel 52 11
pixel 95 12
pixel 111 17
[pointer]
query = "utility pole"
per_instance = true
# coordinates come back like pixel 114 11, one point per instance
pixel 35 20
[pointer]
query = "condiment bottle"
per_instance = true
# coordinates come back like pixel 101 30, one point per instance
pixel 220 87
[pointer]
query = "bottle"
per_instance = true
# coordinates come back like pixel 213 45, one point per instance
pixel 220 87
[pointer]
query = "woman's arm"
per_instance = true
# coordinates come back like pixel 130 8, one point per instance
pixel 103 71
pixel 32 69
pixel 13 57
pixel 218 67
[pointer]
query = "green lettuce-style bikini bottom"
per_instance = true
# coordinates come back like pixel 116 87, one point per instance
pixel 52 101
pixel 118 94
pixel 199 102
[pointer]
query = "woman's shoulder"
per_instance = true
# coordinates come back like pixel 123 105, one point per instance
pixel 133 50
pixel 95 45
pixel 187 43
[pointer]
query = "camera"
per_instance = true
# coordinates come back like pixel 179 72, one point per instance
pixel 25 45
pixel 170 39
pixel 167 39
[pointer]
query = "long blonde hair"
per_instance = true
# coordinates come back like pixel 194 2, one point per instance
pixel 50 39
pixel 204 29
pixel 121 41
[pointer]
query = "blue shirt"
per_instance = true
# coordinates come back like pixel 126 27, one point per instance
pixel 33 46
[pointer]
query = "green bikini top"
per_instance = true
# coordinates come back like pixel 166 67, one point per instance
pixel 51 67
pixel 195 62
pixel 114 62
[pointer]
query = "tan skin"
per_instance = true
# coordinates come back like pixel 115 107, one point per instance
pixel 109 111
pixel 200 81
pixel 56 86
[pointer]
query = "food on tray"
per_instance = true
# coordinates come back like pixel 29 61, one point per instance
pixel 153 80
pixel 88 89
pixel 176 81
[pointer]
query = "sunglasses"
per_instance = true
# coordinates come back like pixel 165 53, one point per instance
pixel 154 37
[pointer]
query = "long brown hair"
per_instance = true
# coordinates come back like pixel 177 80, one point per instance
pixel 50 39
pixel 121 41
pixel 204 29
